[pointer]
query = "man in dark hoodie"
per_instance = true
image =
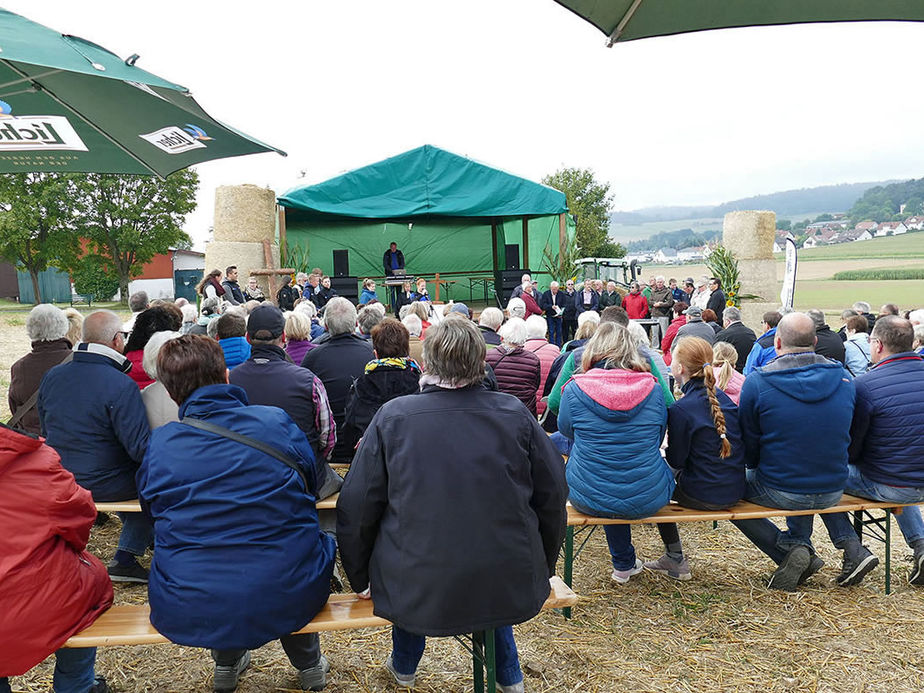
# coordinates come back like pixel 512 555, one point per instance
pixel 828 343
pixel 795 416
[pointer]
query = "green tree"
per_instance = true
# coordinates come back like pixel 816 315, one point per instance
pixel 37 222
pixel 130 219
pixel 590 201
pixel 783 224
pixel 824 217
pixel 93 278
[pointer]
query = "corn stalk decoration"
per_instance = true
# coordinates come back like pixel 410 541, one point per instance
pixel 561 266
pixel 724 266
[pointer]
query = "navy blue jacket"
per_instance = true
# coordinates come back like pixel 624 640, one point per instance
pixel 239 559
pixel 694 445
pixel 886 440
pixel 579 301
pixel 92 415
pixel 795 415
pixel 548 302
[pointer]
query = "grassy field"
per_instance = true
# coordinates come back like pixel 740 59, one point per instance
pixel 633 232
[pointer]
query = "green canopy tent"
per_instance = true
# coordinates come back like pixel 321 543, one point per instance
pixel 447 213
pixel 628 20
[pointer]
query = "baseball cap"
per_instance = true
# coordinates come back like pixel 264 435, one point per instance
pixel 459 308
pixel 266 322
pixel 693 312
pixel 688 280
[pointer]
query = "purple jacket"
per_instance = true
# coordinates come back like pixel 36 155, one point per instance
pixel 297 348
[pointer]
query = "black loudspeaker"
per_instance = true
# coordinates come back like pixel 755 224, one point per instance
pixel 341 263
pixel 348 287
pixel 505 281
pixel 511 256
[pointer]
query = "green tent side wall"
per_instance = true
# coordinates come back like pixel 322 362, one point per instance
pixel 458 248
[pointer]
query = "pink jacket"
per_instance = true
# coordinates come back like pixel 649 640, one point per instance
pixel 733 387
pixel 547 353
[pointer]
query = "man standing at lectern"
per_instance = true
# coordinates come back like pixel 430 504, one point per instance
pixel 391 261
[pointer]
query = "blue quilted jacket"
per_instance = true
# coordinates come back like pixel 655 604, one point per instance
pixel 885 437
pixel 617 420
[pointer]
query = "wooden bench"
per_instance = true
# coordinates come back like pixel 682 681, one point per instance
pixel 130 624
pixel 133 506
pixel 741 511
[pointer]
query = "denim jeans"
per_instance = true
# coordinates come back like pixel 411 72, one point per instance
pixel 554 331
pixel 618 538
pixel 73 671
pixel 765 535
pixel 839 526
pixel 408 648
pixel 137 533
pixel 303 651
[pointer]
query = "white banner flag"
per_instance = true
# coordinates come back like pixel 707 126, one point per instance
pixel 789 280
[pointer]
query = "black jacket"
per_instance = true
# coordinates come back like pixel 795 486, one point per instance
pixel 339 361
pixel 490 336
pixel 742 338
pixel 454 521
pixel 547 301
pixel 829 344
pixel 377 386
pixel 285 297
pixel 386 261
pixel 717 304
pixel 323 296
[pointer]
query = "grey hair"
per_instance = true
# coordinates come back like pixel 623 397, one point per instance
pixel 536 327
pixel 308 308
pixel 637 332
pixel 298 325
pixel 181 301
pixel 916 316
pixel 454 352
pixel 861 307
pixel 46 323
pixel 138 301
pixel 100 326
pixel 894 333
pixel 420 310
pixel 516 308
pixel 413 324
pixel 212 328
pixel 817 316
pixel 152 349
pixel 189 313
pixel 368 318
pixel 659 278
pixel 492 318
pixel 339 316
pixel 404 311
pixel 918 336
pixel 211 305
pixel 554 284
pixel 732 314
pixel 591 315
pixel 378 307
pixel 513 332
pixel 301 275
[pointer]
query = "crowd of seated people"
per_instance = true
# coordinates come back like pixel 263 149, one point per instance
pixel 249 412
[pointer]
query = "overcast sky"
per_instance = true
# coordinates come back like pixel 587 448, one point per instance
pixel 527 86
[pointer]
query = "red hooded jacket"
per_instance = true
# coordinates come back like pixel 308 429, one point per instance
pixel 50 587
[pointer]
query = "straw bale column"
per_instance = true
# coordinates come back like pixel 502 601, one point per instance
pixel 245 216
pixel 749 236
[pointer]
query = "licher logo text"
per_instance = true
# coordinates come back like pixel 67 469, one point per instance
pixel 37 133
pixel 176 140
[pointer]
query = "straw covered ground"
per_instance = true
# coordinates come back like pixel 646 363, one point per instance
pixel 723 631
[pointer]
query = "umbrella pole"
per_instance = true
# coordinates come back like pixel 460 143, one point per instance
pixel 83 118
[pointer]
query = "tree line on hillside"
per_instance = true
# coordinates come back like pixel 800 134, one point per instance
pixel 895 202
pixel 682 238
pixel 100 228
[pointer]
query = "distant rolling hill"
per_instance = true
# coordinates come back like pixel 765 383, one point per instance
pixel 807 201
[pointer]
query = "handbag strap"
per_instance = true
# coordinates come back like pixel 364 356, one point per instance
pixel 33 400
pixel 252 442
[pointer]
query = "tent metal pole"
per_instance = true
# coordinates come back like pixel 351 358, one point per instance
pixel 525 243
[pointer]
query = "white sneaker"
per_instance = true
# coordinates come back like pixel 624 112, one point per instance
pixel 622 576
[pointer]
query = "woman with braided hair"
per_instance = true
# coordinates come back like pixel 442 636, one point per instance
pixel 727 379
pixel 704 448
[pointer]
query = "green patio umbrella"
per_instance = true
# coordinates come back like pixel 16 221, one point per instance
pixel 67 104
pixel 628 20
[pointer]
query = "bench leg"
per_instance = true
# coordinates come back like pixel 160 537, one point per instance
pixel 888 551
pixel 569 563
pixel 858 523
pixel 489 663
pixel 478 661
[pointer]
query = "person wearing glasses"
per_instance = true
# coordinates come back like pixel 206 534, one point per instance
pixel 103 443
pixel 569 316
